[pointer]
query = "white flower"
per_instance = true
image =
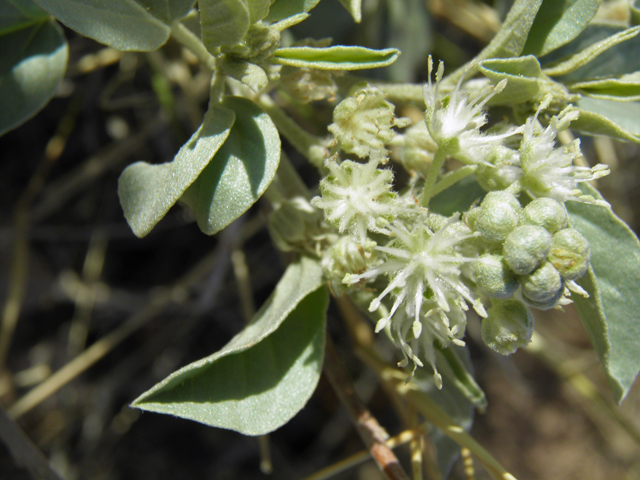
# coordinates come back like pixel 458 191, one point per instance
pixel 454 121
pixel 357 198
pixel 549 171
pixel 424 270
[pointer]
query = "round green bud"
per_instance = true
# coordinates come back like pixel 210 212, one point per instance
pixel 435 221
pixel 493 277
pixel 526 247
pixel 499 215
pixel 545 212
pixel 570 253
pixel 508 326
pixel 543 288
pixel 471 217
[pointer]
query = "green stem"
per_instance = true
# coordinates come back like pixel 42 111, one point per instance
pixel 286 184
pixel 432 175
pixel 452 178
pixel 192 43
pixel 311 146
pixel 402 92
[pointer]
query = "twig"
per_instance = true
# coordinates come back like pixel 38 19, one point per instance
pixel 23 450
pixel 372 434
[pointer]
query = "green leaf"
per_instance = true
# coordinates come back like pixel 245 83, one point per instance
pixel 147 192
pixel 139 25
pixel 610 314
pixel 626 88
pixel 266 373
pixel 604 117
pixel 258 9
pixel 282 9
pixel 248 73
pixel 335 58
pixel 33 60
pixel 523 76
pixel 354 7
pixel 241 170
pixel 223 22
pixel 557 23
pixel 593 42
pixel 457 198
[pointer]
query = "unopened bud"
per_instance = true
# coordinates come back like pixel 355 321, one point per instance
pixel 543 288
pixel 499 215
pixel 570 253
pixel 509 326
pixel 545 212
pixel 494 278
pixel 526 247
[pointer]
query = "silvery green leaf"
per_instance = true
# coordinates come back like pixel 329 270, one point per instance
pixel 523 75
pixel 258 9
pixel 354 7
pixel 282 9
pixel 605 117
pixel 335 58
pixel 240 171
pixel 139 25
pixel 33 60
pixel 596 40
pixel 266 373
pixel 610 314
pixel 248 73
pixel 147 192
pixel 557 23
pixel 625 88
pixel 223 22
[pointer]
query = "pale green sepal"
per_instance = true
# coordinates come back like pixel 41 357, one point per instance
pixel 354 7
pixel 335 58
pixel 605 117
pixel 611 313
pixel 557 23
pixel 147 192
pixel 248 73
pixel 582 57
pixel 241 170
pixel 282 9
pixel 266 373
pixel 138 25
pixel 626 88
pixel 33 61
pixel 223 22
pixel 523 76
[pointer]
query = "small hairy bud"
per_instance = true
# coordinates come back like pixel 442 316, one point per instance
pixel 509 326
pixel 494 278
pixel 545 212
pixel 543 288
pixel 499 215
pixel 526 247
pixel 346 257
pixel 570 253
pixel 310 85
pixel 293 223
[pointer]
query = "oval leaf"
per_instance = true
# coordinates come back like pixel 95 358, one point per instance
pixel 266 373
pixel 604 117
pixel 33 60
pixel 626 88
pixel 610 314
pixel 139 25
pixel 523 75
pixel 557 23
pixel 282 9
pixel 241 170
pixel 336 58
pixel 147 192
pixel 223 22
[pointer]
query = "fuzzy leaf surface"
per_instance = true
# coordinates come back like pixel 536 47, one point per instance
pixel 266 373
pixel 523 75
pixel 606 117
pixel 138 25
pixel 33 61
pixel 240 171
pixel 336 58
pixel 223 22
pixel 147 192
pixel 282 9
pixel 610 315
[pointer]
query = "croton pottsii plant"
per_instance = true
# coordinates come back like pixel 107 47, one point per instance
pixel 481 210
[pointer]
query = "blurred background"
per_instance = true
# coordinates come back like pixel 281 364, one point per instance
pixel 102 315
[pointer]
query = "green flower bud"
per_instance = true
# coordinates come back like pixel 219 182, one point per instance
pixel 471 217
pixel 500 214
pixel 509 326
pixel 543 288
pixel 346 257
pixel 526 247
pixel 570 253
pixel 545 212
pixel 293 223
pixel 493 277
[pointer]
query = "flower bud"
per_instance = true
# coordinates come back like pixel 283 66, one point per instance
pixel 500 214
pixel 292 223
pixel 508 327
pixel 545 212
pixel 543 288
pixel 570 253
pixel 493 277
pixel 526 247
pixel 346 257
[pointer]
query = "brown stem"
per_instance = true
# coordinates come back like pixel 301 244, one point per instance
pixel 372 434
